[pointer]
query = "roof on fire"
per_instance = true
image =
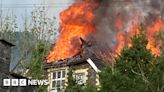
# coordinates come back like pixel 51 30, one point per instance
pixel 76 61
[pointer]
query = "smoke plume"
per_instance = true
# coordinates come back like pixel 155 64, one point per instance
pixel 114 16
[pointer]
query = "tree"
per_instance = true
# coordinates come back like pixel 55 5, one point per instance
pixel 160 37
pixel 90 88
pixel 135 70
pixel 32 42
pixel 8 27
pixel 36 67
pixel 72 86
pixel 36 29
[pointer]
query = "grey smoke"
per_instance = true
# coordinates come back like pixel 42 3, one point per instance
pixel 139 11
pixel 131 11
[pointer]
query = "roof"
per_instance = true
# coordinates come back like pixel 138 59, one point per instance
pixel 6 42
pixel 56 64
pixel 95 63
pixel 98 62
pixel 15 75
pixel 67 62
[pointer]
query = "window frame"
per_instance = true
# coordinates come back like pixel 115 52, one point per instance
pixel 57 78
pixel 82 71
pixel 81 80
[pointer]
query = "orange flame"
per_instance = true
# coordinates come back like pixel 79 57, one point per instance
pixel 121 43
pixel 123 37
pixel 76 22
pixel 133 30
pixel 153 45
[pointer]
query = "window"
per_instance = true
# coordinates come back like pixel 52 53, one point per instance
pixel 80 78
pixel 58 80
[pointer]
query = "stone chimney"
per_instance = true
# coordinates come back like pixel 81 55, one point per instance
pixel 5 56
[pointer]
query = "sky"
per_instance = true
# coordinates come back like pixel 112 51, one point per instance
pixel 19 7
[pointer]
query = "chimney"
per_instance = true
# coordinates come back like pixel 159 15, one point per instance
pixel 5 56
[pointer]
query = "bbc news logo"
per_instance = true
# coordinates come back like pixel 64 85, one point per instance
pixel 24 82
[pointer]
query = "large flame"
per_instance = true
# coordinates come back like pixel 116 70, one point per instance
pixel 152 29
pixel 76 22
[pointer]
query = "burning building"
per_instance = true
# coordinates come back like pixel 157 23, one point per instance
pixel 85 66
pixel 105 27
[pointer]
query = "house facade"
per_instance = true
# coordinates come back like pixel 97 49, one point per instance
pixel 85 70
pixel 85 67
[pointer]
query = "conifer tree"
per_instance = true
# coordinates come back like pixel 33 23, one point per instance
pixel 135 70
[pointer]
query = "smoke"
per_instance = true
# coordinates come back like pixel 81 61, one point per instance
pixel 109 24
pixel 131 12
pixel 162 8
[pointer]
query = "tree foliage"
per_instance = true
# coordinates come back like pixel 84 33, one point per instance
pixel 36 67
pixel 32 41
pixel 135 70
pixel 35 29
pixel 72 86
pixel 160 37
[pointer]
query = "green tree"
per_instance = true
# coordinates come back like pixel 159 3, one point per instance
pixel 160 64
pixel 135 70
pixel 72 86
pixel 8 26
pixel 90 88
pixel 160 37
pixel 36 68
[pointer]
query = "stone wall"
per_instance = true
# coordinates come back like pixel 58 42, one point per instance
pixel 5 52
